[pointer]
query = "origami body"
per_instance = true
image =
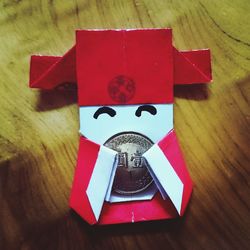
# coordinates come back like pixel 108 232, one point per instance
pixel 125 84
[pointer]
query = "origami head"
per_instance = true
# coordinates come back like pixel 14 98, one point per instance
pixel 131 74
pixel 125 82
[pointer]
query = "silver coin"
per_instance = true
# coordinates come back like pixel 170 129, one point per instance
pixel 132 175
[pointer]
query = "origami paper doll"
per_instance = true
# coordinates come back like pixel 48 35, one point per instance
pixel 130 166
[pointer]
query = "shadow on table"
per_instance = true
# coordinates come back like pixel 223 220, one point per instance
pixel 72 232
pixel 63 96
pixel 56 98
pixel 192 91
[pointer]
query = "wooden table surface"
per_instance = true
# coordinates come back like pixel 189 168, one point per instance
pixel 39 130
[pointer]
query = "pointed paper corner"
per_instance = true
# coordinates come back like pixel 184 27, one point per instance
pixel 100 179
pixel 165 177
pixel 192 66
pixel 47 72
pixel 95 209
pixel 177 200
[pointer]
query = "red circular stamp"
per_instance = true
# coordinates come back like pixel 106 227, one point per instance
pixel 121 89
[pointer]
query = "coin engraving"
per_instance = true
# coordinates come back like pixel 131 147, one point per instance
pixel 132 175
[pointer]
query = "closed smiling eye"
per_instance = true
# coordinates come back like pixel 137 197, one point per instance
pixel 149 108
pixel 104 110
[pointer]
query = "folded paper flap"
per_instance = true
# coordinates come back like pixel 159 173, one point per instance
pixel 48 72
pixel 86 160
pixel 192 66
pixel 39 65
pixel 134 211
pixel 170 147
pixel 165 176
pixel 201 59
pixel 100 179
pixel 160 188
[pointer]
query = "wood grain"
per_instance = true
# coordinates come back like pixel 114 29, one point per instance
pixel 39 130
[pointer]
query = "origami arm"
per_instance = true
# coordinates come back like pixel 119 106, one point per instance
pixel 169 171
pixel 48 72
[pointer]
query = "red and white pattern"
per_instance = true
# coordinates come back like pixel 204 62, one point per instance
pixel 151 66
pixel 154 209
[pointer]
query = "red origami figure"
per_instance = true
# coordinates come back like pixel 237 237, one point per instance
pixel 130 167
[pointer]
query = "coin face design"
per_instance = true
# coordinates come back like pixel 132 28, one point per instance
pixel 132 175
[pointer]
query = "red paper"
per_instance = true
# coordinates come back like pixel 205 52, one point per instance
pixel 192 66
pixel 125 212
pixel 124 67
pixel 47 72
pixel 144 56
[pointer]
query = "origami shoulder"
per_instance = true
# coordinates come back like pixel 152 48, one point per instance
pixel 48 72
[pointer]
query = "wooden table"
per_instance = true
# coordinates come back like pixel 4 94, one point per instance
pixel 39 130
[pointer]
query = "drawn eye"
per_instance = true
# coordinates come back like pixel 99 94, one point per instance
pixel 149 108
pixel 104 110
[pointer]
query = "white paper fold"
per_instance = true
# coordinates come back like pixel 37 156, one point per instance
pixel 100 179
pixel 165 178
